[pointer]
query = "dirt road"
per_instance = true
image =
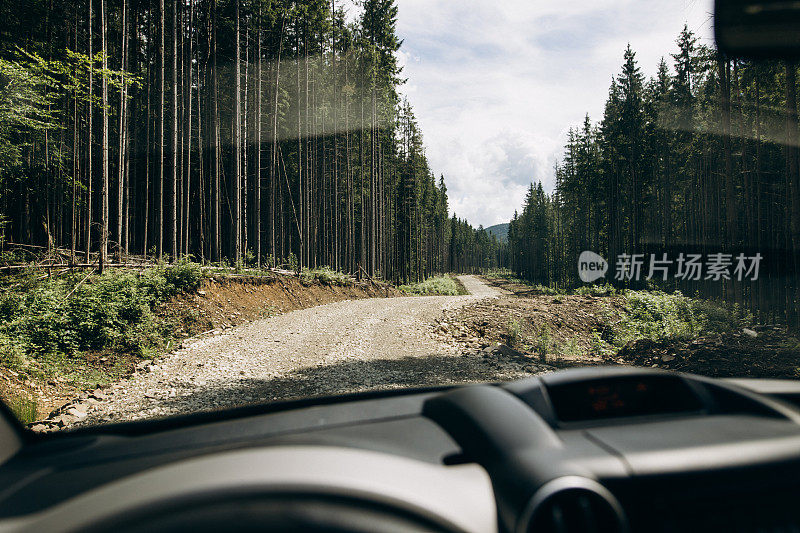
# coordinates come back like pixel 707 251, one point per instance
pixel 330 349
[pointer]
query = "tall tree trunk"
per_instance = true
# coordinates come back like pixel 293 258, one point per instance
pixel 237 146
pixel 104 192
pixel 188 133
pixel 148 149
pixel 216 231
pixel 793 179
pixel 75 165
pixel 730 190
pixel 175 119
pixel 274 178
pixel 122 131
pixel 259 140
pixel 161 110
pixel 89 198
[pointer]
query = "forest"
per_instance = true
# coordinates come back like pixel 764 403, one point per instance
pixel 240 132
pixel 700 159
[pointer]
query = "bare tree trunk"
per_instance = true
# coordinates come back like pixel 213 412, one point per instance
pixel 237 147
pixel 259 96
pixel 216 237
pixel 175 118
pixel 274 180
pixel 104 193
pixel 793 201
pixel 245 142
pixel 89 144
pixel 75 147
pixel 122 132
pixel 300 189
pixel 730 191
pixel 162 60
pixel 148 150
pixel 188 138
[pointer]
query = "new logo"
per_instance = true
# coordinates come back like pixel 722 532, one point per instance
pixel 591 267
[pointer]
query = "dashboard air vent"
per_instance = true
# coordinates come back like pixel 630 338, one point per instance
pixel 573 504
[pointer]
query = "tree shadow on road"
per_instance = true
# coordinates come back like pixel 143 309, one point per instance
pixel 345 377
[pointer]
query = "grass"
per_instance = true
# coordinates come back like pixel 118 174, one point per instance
pixel 23 408
pixel 542 344
pixel 439 285
pixel 48 325
pixel 325 275
pixel 597 290
pixel 516 334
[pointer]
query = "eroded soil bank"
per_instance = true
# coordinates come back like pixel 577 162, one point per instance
pixel 571 330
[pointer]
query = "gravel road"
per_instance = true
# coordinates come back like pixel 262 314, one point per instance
pixel 347 346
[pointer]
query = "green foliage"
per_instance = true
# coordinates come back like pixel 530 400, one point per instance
pixel 516 335
pixel 659 316
pixel 110 311
pixel 27 92
pixel 597 290
pixel 440 285
pixel 294 263
pixel 542 344
pixel 570 348
pixel 23 408
pixel 598 346
pixel 182 276
pixel 325 275
pixel 12 353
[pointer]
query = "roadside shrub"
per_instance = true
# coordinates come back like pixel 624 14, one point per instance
pixel 12 353
pixel 657 315
pixel 325 275
pixel 543 344
pixel 440 285
pixel 65 316
pixel 184 276
pixel 516 335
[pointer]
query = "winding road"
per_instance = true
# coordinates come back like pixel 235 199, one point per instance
pixel 347 346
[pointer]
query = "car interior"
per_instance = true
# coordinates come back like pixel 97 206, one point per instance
pixel 603 449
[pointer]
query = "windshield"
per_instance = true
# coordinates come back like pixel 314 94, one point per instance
pixel 213 203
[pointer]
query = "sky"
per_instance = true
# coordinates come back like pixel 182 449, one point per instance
pixel 496 85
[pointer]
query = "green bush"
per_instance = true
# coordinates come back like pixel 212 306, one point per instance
pixel 183 276
pixel 325 275
pixel 12 353
pixel 657 315
pixel 542 345
pixel 440 285
pixel 110 311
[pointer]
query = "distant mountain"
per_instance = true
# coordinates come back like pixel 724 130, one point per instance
pixel 501 230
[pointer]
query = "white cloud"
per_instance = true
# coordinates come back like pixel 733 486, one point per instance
pixel 496 85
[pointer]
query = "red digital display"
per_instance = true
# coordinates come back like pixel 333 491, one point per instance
pixel 622 397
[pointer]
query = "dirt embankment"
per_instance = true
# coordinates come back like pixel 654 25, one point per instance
pixel 221 303
pixel 564 331
pixel 557 330
pixel 224 302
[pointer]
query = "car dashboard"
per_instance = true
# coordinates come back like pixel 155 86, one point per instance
pixel 601 449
